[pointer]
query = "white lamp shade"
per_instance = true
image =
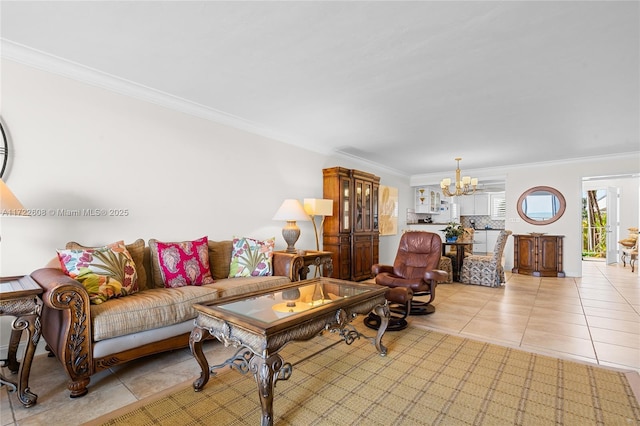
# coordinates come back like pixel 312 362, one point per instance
pixel 9 204
pixel 318 207
pixel 291 210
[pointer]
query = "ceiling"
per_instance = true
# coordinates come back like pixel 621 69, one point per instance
pixel 407 86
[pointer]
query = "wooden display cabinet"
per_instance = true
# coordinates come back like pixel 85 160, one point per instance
pixel 538 255
pixel 351 233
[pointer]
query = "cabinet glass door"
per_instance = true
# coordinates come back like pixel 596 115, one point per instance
pixel 346 200
pixel 358 225
pixel 367 225
pixel 374 201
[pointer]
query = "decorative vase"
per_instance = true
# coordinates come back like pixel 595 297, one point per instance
pixel 452 239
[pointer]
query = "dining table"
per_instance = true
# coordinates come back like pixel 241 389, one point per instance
pixel 459 255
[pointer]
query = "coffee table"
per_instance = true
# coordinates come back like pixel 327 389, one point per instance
pixel 263 322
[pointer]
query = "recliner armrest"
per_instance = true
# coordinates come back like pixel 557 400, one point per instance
pixel 379 268
pixel 435 274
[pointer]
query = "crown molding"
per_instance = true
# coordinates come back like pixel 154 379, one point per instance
pixel 367 163
pixel 50 63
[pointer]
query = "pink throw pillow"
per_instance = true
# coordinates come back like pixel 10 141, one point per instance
pixel 185 263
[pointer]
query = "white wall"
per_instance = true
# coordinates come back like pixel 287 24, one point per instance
pixel 566 177
pixel 76 146
pixel 180 177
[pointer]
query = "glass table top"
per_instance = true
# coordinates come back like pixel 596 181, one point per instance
pixel 308 295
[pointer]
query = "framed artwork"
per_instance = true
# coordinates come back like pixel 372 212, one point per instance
pixel 388 205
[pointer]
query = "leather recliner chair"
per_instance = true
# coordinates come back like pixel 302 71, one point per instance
pixel 414 268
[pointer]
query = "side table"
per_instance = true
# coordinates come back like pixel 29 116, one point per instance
pixel 19 298
pixel 318 259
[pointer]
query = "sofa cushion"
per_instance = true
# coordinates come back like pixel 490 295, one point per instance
pixel 135 249
pixel 105 272
pixel 251 257
pixel 235 286
pixel 149 309
pixel 185 263
pixel 157 277
pixel 220 258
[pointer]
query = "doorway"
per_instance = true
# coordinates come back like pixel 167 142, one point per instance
pixel 610 207
pixel 597 222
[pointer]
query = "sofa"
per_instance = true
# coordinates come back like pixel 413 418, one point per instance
pixel 87 338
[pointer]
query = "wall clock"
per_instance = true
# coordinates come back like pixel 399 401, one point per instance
pixel 4 150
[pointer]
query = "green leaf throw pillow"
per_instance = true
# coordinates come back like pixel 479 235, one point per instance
pixel 105 272
pixel 251 258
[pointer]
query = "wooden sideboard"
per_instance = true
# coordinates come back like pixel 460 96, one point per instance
pixel 538 255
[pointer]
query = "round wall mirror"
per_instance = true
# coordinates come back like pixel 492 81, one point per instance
pixel 541 205
pixel 4 151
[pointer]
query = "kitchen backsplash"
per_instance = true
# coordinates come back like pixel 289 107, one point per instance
pixel 481 222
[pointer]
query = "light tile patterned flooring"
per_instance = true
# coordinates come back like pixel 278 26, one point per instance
pixel 595 318
pixel 592 319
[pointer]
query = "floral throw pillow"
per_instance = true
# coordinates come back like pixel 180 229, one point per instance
pixel 251 258
pixel 106 272
pixel 184 263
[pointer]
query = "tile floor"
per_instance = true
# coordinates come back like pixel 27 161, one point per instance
pixel 594 319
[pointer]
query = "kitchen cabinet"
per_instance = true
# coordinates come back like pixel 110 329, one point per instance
pixel 466 204
pixel 481 204
pixel 351 234
pixel 474 205
pixel 484 241
pixel 479 242
pixel 538 255
pixel 427 200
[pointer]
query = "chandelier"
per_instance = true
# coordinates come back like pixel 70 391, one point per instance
pixel 464 186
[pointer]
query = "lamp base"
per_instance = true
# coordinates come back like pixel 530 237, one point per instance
pixel 291 233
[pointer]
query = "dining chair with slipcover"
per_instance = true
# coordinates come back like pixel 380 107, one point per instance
pixel 486 270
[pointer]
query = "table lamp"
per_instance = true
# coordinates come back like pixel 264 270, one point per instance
pixel 290 211
pixel 9 204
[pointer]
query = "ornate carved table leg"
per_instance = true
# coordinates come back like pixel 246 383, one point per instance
pixel 266 373
pixel 198 335
pixel 327 267
pixel 27 313
pixel 383 312
pixel 11 362
pixel 14 341
pixel 31 323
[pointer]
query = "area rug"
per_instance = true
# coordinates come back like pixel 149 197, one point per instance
pixel 427 378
